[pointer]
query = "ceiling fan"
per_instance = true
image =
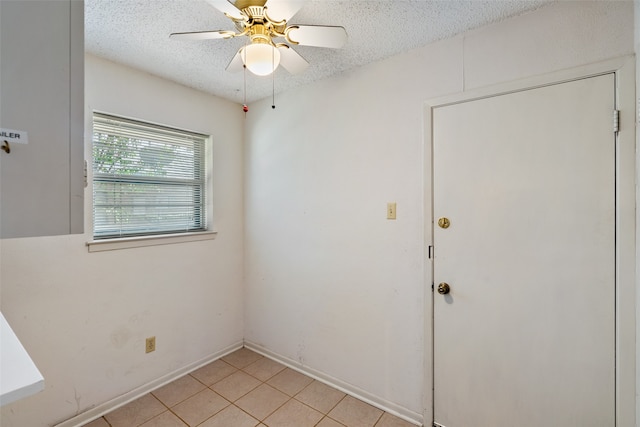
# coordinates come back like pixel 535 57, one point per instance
pixel 270 36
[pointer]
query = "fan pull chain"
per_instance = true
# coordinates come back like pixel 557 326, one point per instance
pixel 273 79
pixel 245 107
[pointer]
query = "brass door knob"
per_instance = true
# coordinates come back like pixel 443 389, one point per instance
pixel 443 288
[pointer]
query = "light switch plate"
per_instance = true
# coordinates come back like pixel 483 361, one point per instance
pixel 391 210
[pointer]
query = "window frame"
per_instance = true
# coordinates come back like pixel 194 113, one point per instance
pixel 142 238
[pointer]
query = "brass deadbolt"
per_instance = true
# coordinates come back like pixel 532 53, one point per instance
pixel 6 147
pixel 443 288
pixel 444 222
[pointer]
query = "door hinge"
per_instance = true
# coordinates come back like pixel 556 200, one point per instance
pixel 616 121
pixel 432 286
pixel 86 182
pixel 430 252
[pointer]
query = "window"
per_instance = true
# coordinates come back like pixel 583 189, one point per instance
pixel 147 179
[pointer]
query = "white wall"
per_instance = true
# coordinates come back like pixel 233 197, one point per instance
pixel 330 283
pixel 83 317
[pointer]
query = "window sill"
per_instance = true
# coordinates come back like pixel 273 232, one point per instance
pixel 142 241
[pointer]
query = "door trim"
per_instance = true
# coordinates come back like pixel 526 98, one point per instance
pixel 624 70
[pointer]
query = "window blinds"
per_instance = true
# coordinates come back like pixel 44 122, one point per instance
pixel 147 179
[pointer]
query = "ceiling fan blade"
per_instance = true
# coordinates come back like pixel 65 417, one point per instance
pixel 202 35
pixel 280 10
pixel 236 64
pixel 225 7
pixel 317 35
pixel 291 60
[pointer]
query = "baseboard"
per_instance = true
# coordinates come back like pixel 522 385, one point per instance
pixel 105 408
pixel 351 390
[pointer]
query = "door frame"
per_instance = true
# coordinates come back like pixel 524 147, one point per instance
pixel 625 193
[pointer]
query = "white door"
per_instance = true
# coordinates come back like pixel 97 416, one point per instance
pixel 525 337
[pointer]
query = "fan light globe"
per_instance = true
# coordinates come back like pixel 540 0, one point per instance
pixel 260 58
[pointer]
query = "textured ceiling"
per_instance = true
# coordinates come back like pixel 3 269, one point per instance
pixel 136 33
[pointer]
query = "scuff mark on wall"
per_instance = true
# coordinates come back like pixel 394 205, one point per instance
pixel 120 337
pixel 300 352
pixel 77 397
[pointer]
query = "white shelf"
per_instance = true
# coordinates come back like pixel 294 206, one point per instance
pixel 19 376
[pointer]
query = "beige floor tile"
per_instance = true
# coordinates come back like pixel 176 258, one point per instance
pixel 200 406
pixel 355 413
pixel 178 390
pixel 100 422
pixel 320 396
pixel 213 372
pixel 136 412
pixel 294 414
pixel 389 420
pixel 166 419
pixel 231 416
pixel 264 368
pixel 235 386
pixel 242 358
pixel 262 390
pixel 328 422
pixel 262 401
pixel 289 381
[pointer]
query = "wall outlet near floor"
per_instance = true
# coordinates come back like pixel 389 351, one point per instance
pixel 150 345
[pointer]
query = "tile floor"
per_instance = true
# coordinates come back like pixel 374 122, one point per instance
pixel 245 389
